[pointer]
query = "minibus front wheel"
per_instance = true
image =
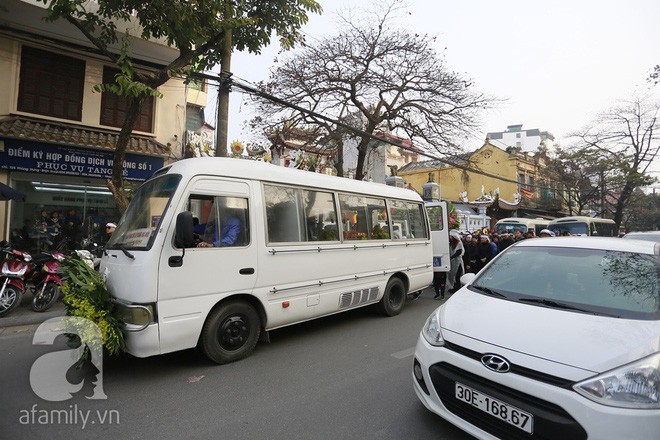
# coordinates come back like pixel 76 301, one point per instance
pixel 230 332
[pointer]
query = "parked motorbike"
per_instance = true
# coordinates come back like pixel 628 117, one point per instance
pixel 46 280
pixel 90 253
pixel 12 277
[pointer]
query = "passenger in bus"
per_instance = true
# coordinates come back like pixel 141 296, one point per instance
pixel 230 231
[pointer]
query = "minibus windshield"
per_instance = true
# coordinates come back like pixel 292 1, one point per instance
pixel 139 224
pixel 510 228
pixel 576 228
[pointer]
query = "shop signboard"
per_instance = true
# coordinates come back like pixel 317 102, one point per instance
pixel 40 157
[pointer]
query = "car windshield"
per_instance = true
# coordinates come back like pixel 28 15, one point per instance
pixel 577 228
pixel 609 283
pixel 139 224
pixel 510 228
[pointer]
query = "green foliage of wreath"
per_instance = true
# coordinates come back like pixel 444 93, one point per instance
pixel 85 296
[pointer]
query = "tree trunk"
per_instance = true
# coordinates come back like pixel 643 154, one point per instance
pixel 339 164
pixel 362 152
pixel 116 183
pixel 622 201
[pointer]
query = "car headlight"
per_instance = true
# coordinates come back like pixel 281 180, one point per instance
pixel 636 385
pixel 431 330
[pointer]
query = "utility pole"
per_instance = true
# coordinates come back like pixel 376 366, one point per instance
pixel 221 128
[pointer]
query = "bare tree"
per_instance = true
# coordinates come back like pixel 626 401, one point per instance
pixel 625 140
pixel 383 78
pixel 576 173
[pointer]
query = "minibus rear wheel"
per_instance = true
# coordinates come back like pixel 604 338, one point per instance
pixel 230 332
pixel 394 298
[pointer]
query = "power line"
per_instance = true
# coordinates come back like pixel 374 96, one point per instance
pixel 263 94
pixel 229 80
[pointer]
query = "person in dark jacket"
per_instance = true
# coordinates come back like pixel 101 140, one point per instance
pixel 484 252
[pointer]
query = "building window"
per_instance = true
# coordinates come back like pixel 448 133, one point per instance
pixel 51 84
pixel 521 178
pixel 531 181
pixel 518 135
pixel 518 144
pixel 114 108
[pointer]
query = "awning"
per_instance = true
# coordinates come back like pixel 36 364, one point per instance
pixel 9 193
pixel 61 133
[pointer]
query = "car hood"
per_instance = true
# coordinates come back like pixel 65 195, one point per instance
pixel 594 343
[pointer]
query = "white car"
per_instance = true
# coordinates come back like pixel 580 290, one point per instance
pixel 556 338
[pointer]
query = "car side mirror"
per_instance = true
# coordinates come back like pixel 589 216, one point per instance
pixel 467 278
pixel 183 236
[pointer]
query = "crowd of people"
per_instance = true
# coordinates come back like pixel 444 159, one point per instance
pixel 469 253
pixel 59 229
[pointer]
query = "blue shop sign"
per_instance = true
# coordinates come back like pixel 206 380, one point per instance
pixel 40 157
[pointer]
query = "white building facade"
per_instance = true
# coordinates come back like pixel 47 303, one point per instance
pixel 381 157
pixel 517 137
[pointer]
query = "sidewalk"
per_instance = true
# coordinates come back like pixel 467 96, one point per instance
pixel 23 319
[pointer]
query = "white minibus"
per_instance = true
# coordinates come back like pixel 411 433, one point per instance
pixel 512 224
pixel 581 225
pixel 215 252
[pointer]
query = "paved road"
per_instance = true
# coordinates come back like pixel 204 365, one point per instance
pixel 342 377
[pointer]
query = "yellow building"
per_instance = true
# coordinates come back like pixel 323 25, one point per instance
pixel 516 176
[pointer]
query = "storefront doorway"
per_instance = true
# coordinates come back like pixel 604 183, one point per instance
pixel 59 212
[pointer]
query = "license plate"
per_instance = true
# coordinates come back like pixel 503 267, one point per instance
pixel 496 408
pixel 437 261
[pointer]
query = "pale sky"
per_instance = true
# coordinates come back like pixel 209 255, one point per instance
pixel 558 63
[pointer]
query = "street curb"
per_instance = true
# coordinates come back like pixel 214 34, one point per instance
pixel 23 315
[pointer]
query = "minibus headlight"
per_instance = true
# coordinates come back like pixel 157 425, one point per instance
pixel 431 330
pixel 636 385
pixel 135 317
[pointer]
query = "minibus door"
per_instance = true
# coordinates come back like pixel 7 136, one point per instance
pixel 438 219
pixel 191 284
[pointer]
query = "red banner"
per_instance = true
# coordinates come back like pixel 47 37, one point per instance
pixel 526 194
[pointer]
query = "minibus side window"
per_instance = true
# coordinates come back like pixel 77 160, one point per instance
pixel 296 215
pixel 320 216
pixel 364 218
pixel 283 214
pixel 230 213
pixel 435 217
pixel 417 223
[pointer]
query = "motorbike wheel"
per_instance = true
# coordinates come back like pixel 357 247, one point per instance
pixel 10 299
pixel 46 297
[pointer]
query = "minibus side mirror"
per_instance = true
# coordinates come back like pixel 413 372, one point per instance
pixel 184 237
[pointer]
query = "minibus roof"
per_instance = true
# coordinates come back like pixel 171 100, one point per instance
pixel 581 218
pixel 257 170
pixel 522 220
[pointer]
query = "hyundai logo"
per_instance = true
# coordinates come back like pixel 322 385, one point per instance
pixel 495 363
